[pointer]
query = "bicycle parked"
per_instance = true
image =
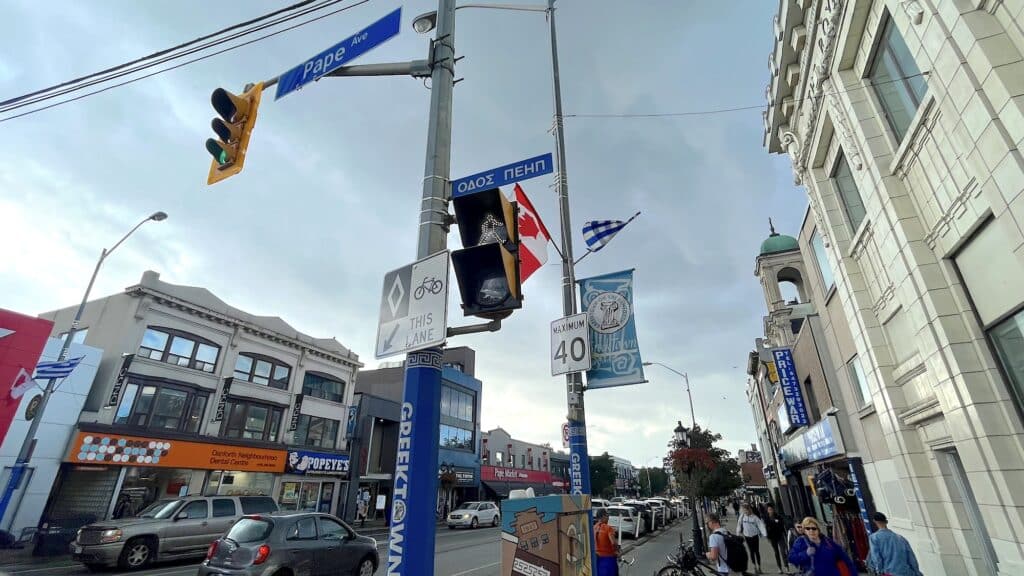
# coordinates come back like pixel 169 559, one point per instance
pixel 685 562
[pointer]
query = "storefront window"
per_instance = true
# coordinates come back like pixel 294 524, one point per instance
pixel 317 432
pixel 142 487
pixel 307 496
pixel 228 483
pixel 161 407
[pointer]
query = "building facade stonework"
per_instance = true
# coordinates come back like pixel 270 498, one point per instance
pixel 904 121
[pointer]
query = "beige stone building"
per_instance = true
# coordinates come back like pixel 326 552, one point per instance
pixel 904 120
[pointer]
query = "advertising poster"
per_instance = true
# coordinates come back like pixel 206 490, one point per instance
pixel 615 353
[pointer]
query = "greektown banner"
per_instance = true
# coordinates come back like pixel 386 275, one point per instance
pixel 608 303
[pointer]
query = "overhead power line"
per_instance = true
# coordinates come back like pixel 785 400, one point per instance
pixel 169 58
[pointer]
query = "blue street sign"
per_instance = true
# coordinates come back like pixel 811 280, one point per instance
pixel 340 54
pixel 502 175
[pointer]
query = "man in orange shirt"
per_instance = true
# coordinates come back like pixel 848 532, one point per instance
pixel 607 550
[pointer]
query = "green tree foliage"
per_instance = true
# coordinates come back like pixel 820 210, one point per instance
pixel 658 481
pixel 602 476
pixel 702 469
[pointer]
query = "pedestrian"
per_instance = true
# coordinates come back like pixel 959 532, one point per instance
pixel 362 509
pixel 718 552
pixel 736 507
pixel 795 533
pixel 752 529
pixel 605 543
pixel 891 554
pixel 817 554
pixel 776 529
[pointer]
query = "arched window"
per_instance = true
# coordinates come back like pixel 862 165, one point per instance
pixel 179 348
pixel 791 285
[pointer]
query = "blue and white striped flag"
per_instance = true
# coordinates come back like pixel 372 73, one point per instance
pixel 54 370
pixel 598 233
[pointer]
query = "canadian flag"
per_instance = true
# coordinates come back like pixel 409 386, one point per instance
pixel 533 237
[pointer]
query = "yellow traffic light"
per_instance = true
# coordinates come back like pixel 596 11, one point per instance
pixel 487 269
pixel 237 118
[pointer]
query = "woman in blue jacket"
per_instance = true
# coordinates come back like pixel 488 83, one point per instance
pixel 818 554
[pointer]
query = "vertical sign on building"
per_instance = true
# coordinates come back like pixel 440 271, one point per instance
pixel 218 414
pixel 295 413
pixel 791 392
pixel 122 376
pixel 350 425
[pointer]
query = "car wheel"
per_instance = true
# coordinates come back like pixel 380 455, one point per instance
pixel 495 521
pixel 365 567
pixel 137 553
pixel 474 523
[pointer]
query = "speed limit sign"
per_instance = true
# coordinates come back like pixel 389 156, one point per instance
pixel 570 345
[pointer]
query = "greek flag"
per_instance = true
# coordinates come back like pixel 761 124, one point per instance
pixel 54 370
pixel 598 233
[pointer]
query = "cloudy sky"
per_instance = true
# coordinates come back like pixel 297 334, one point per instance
pixel 329 198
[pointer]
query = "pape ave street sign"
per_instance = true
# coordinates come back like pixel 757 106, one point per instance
pixel 503 175
pixel 414 307
pixel 340 54
pixel 570 345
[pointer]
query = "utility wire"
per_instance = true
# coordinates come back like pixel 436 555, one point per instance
pixel 738 108
pixel 27 100
pixel 159 53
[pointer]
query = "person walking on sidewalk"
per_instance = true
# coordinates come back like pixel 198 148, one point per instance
pixel 891 554
pixel 776 528
pixel 717 552
pixel 736 507
pixel 606 548
pixel 817 554
pixel 752 529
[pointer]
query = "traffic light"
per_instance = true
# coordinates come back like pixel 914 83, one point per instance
pixel 237 117
pixel 487 268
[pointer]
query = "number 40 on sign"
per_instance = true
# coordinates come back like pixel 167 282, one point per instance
pixel 570 345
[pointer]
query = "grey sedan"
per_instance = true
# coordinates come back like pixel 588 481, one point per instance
pixel 300 544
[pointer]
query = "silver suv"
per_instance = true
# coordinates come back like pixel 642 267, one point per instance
pixel 166 530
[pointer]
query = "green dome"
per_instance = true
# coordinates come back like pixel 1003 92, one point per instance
pixel 778 243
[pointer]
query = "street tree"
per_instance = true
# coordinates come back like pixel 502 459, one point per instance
pixel 702 469
pixel 602 476
pixel 653 481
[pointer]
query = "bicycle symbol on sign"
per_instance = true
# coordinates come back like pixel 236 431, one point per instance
pixel 432 285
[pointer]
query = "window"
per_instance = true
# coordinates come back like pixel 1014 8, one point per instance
pixel 195 510
pixel 818 245
pixel 860 382
pixel 79 337
pixel 847 188
pixel 316 431
pixel 453 437
pixel 251 421
pixel 1008 337
pixel 323 386
pixel 305 529
pixel 257 504
pixel 457 404
pixel 161 406
pixel 180 348
pixel 331 530
pixel 262 370
pixel 223 507
pixel 897 80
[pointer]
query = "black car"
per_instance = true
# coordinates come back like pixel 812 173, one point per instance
pixel 298 544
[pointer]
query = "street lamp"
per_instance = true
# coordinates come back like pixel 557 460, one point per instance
pixel 26 448
pixel 684 438
pixel 426 22
pixel 686 378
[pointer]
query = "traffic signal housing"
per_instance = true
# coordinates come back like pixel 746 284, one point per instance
pixel 233 127
pixel 487 268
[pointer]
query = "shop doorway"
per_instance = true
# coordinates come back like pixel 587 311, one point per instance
pixel 307 496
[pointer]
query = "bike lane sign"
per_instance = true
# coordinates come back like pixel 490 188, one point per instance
pixel 414 307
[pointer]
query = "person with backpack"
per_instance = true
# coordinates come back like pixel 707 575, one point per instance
pixel 725 550
pixel 752 529
pixel 817 554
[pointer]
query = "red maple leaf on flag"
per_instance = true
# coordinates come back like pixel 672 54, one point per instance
pixel 528 226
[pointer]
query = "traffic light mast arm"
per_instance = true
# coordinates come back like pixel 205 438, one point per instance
pixel 492 326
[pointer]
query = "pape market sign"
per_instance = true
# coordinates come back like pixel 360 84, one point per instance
pixel 570 345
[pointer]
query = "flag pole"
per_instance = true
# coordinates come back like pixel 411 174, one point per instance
pixel 589 251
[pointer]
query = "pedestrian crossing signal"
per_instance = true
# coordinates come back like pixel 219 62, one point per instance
pixel 487 268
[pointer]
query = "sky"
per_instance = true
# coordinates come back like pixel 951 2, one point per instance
pixel 328 201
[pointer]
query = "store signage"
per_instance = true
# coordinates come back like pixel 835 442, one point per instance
pixel 350 424
pixel 861 504
pixel 218 414
pixel 782 417
pixel 463 476
pixel 305 462
pixel 118 450
pixel 22 339
pixel 296 412
pixel 821 442
pixel 499 474
pixel 122 377
pixel 791 392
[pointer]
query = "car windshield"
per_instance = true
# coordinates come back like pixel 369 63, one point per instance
pixel 470 506
pixel 618 512
pixel 250 530
pixel 160 509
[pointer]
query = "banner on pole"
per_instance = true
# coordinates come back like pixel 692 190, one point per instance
pixel 615 353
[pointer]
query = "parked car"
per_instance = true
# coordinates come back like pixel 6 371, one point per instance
pixel 671 513
pixel 474 514
pixel 649 515
pixel 293 543
pixel 596 503
pixel 626 520
pixel 660 514
pixel 641 515
pixel 166 530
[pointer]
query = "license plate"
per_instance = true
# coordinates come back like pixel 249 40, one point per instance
pixel 76 549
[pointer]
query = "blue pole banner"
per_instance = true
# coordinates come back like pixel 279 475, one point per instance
pixel 608 303
pixel 411 538
pixel 791 393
